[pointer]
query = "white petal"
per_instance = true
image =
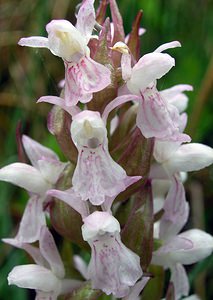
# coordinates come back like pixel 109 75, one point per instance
pixel 34 41
pixel 86 19
pixel 99 223
pixel 80 265
pixel 180 281
pixel 50 252
pixel 150 67
pixel 33 277
pixel 163 150
pixel 24 176
pixel 36 151
pixel 190 157
pixel 66 41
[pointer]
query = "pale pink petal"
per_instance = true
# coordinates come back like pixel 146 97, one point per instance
pixel 202 246
pixel 32 221
pixel 175 96
pixel 166 46
pixel 34 252
pixel 156 118
pixel 36 151
pixel 72 110
pixel 25 176
pixel 136 289
pixel 51 169
pixel 175 250
pixel 97 176
pixel 34 41
pixel 117 102
pixel 113 267
pixel 50 252
pixel 150 67
pixel 34 277
pixel 126 66
pixel 190 157
pixel 84 78
pixel 176 211
pixel 72 199
pixel 177 89
pixel 86 19
pixel 180 280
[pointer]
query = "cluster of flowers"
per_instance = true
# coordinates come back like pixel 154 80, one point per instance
pixel 120 104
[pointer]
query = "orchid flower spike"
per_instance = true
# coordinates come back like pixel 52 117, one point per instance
pixel 113 267
pixel 47 275
pixel 83 76
pixel 36 179
pixel 97 176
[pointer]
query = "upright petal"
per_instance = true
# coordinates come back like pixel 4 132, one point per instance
pixel 86 19
pixel 36 151
pixel 166 46
pixel 50 252
pixel 84 78
pixel 26 177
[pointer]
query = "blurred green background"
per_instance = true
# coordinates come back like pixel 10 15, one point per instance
pixel 26 74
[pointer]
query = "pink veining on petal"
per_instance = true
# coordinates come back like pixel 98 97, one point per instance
pixel 84 78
